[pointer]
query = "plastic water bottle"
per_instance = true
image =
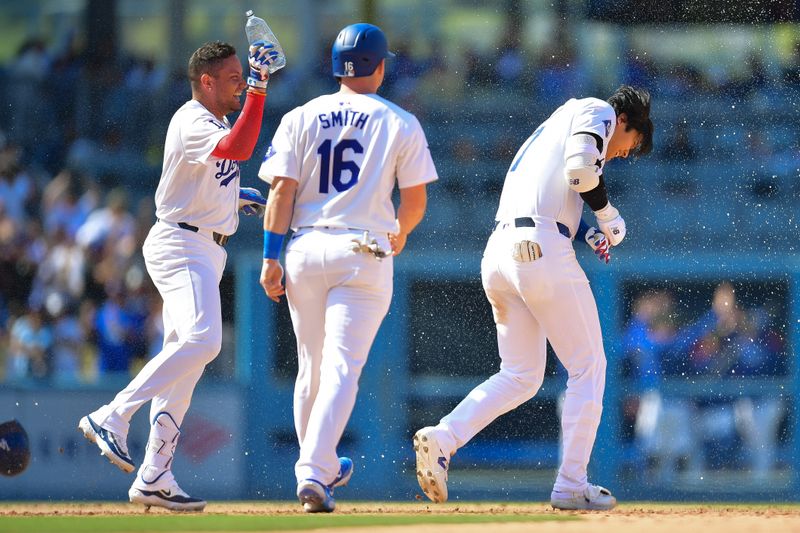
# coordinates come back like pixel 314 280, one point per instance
pixel 257 30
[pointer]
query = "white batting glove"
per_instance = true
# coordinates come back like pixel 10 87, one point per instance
pixel 260 56
pixel 611 224
pixel 598 242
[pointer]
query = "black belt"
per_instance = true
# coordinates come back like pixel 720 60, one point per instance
pixel 527 222
pixel 219 238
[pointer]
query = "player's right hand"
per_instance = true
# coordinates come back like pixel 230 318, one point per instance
pixel 611 224
pixel 260 57
pixel 398 242
pixel 271 276
pixel 599 243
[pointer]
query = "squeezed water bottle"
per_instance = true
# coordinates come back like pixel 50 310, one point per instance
pixel 257 30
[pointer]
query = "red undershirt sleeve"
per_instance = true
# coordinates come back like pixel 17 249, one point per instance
pixel 241 141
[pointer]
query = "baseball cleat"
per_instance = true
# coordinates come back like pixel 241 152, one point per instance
pixel 315 497
pixel 172 498
pixel 592 498
pixel 432 465
pixel 345 472
pixel 111 445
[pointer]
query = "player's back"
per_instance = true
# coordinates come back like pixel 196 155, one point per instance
pixel 535 184
pixel 346 149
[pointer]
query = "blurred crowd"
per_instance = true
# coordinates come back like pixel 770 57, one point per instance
pixel 107 115
pixel 731 418
pixel 76 305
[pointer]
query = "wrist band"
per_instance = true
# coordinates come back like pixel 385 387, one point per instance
pixel 273 242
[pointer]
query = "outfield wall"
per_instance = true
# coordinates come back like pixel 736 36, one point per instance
pixel 64 466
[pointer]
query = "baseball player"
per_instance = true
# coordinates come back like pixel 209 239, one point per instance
pixel 333 164
pixel 196 206
pixel 539 292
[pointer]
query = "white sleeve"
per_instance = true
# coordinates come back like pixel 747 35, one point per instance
pixel 281 157
pixel 582 165
pixel 414 164
pixel 598 120
pixel 201 136
pixel 586 146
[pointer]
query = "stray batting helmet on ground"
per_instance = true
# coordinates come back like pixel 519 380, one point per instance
pixel 15 452
pixel 358 49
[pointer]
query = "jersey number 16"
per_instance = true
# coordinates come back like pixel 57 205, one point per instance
pixel 326 177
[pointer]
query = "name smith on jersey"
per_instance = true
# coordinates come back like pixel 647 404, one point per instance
pixel 343 117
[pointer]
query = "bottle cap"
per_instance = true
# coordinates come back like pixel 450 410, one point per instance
pixel 249 13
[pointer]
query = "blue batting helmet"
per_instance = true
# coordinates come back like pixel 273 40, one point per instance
pixel 358 49
pixel 15 452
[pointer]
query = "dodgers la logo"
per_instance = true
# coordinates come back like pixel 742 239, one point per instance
pixel 607 124
pixel 228 170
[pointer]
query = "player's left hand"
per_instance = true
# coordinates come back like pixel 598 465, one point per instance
pixel 611 224
pixel 271 276
pixel 599 243
pixel 260 57
pixel 398 242
pixel 251 202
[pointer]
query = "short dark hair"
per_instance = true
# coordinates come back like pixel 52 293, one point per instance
pixel 208 59
pixel 635 103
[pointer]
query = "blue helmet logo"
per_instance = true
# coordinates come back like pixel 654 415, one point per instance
pixel 358 50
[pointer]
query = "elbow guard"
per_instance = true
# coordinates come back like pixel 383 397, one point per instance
pixel 581 169
pixel 597 198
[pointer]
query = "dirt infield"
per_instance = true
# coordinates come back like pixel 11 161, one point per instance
pixel 379 517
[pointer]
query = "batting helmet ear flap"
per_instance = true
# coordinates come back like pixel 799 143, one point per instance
pixel 15 451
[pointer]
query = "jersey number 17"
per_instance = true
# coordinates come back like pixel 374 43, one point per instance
pixel 328 176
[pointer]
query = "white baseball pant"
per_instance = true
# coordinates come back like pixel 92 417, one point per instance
pixel 548 298
pixel 186 268
pixel 337 300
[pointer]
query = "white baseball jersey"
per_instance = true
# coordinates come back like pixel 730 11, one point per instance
pixel 345 152
pixel 196 187
pixel 536 184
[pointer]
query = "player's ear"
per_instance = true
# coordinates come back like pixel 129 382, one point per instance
pixel 622 118
pixel 205 80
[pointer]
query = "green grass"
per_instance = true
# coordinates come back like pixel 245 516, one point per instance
pixel 212 522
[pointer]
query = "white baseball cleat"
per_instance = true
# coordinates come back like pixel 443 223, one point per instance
pixel 315 497
pixel 592 498
pixel 172 498
pixel 432 465
pixel 111 445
